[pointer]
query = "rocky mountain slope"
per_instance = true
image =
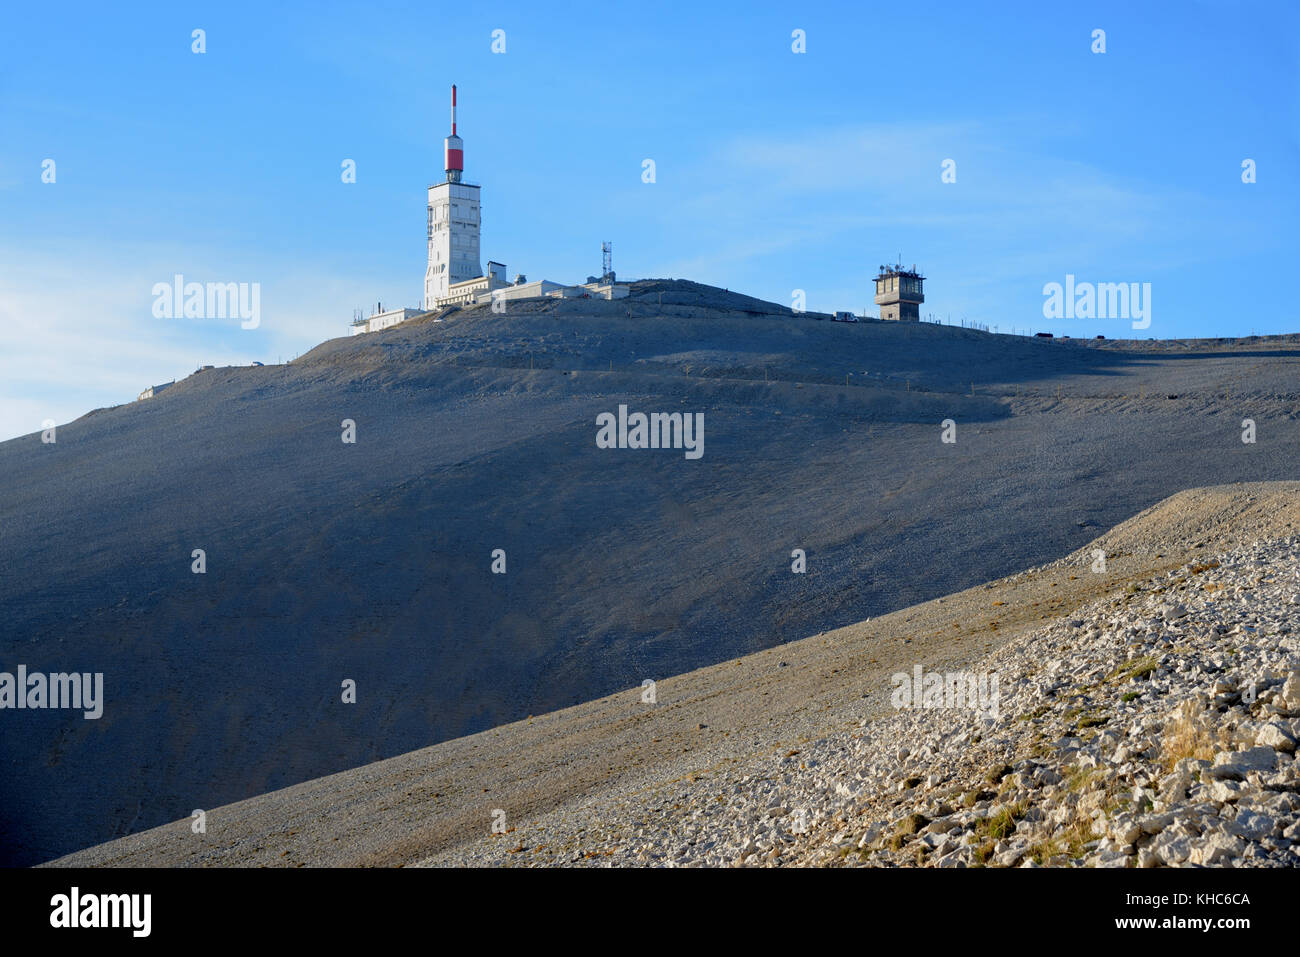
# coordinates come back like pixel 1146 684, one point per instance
pixel 1157 729
pixel 1145 715
pixel 372 561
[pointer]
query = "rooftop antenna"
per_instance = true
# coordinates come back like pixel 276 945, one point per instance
pixel 606 262
pixel 453 147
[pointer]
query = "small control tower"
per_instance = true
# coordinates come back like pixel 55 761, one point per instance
pixel 899 293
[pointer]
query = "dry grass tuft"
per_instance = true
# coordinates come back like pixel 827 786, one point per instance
pixel 1190 734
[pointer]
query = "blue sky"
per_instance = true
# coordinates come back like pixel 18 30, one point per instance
pixel 775 171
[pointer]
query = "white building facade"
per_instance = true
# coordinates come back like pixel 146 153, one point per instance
pixel 454 220
pixel 382 319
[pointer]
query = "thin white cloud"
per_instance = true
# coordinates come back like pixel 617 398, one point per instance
pixel 78 333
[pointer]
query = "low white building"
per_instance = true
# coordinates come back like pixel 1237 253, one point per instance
pixel 484 289
pixel 153 390
pixel 487 288
pixel 382 320
pixel 607 290
pixel 474 290
pixel 544 288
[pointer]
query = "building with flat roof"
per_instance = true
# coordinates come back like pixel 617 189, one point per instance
pixel 477 289
pixel 382 319
pixel 899 293
pixel 153 390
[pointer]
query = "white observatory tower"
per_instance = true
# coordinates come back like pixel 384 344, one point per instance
pixel 453 223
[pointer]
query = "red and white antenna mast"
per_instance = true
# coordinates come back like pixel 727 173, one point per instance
pixel 453 148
